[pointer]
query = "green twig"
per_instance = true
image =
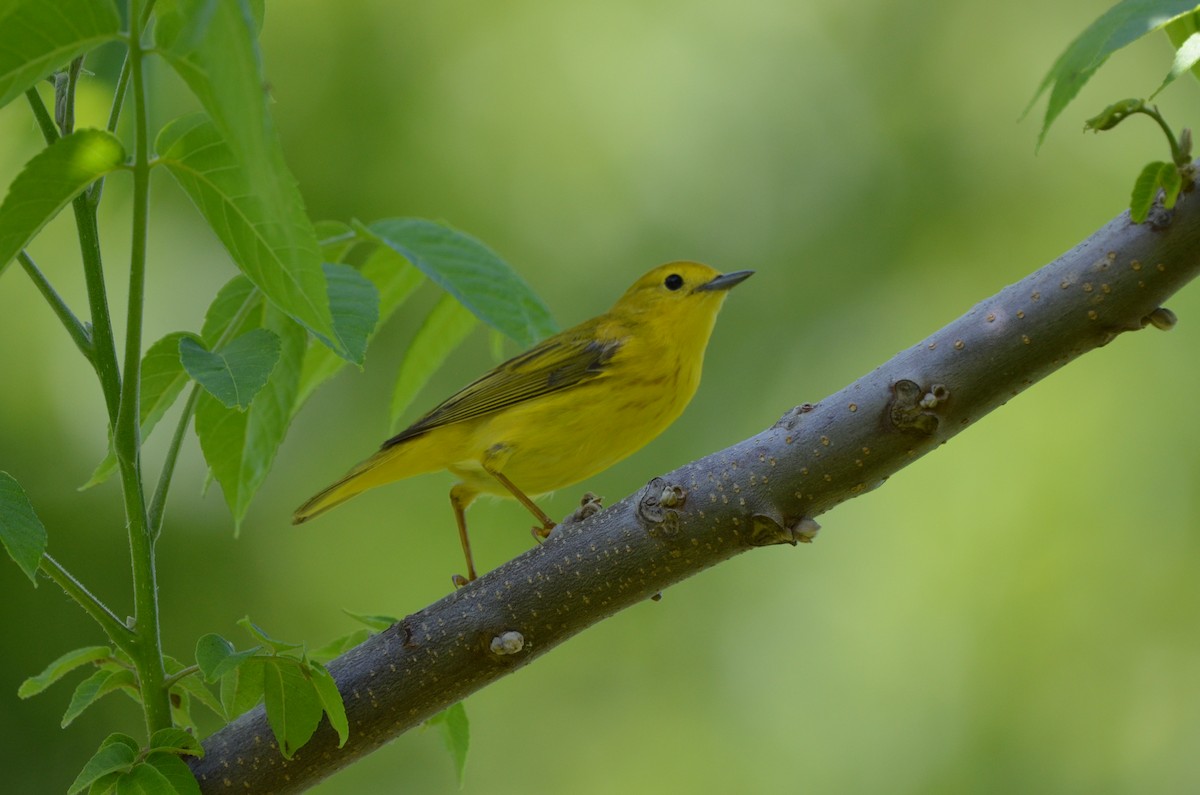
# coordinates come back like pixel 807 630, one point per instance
pixel 114 116
pixel 170 681
pixel 114 113
pixel 104 351
pixel 79 333
pixel 1176 154
pixel 107 619
pixel 1117 112
pixel 158 503
pixel 64 96
pixel 105 347
pixel 44 119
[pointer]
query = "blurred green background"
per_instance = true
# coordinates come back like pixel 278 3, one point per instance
pixel 1017 613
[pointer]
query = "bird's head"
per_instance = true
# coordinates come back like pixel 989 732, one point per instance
pixel 678 290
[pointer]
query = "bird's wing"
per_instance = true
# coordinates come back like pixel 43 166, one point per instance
pixel 556 363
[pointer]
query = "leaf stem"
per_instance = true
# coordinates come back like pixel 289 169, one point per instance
pixel 1152 112
pixel 158 503
pixel 107 619
pixel 64 96
pixel 105 347
pixel 79 333
pixel 44 119
pixel 170 681
pixel 114 116
pixel 114 113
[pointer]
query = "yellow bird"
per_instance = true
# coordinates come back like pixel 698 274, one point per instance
pixel 571 406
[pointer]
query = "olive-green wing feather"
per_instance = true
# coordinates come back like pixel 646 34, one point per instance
pixel 556 363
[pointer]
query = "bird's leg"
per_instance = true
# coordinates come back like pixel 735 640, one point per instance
pixel 460 497
pixel 548 524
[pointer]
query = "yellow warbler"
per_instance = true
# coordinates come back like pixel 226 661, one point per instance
pixel 571 406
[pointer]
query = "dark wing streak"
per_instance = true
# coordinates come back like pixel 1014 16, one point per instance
pixel 542 370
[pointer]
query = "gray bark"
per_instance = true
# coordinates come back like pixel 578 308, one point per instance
pixel 763 490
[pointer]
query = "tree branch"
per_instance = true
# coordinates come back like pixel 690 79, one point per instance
pixel 758 492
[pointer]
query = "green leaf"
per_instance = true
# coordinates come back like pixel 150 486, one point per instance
pixel 354 302
pixel 163 379
pixel 61 667
pixel 1181 29
pixel 395 280
pixel 456 733
pixel 21 531
pixel 1145 188
pixel 176 741
pixel 375 623
pixel 444 329
pixel 116 754
pixel 181 709
pixel 240 446
pixel 176 773
pixel 49 180
pixel 331 700
pixel 105 785
pixel 336 238
pixel 276 646
pixel 94 688
pixel 339 646
pixel 235 373
pixel 216 656
pixel 242 687
pixel 193 687
pixel 293 706
pixel 144 779
pixel 471 272
pixel 275 246
pixel 1123 24
pixel 214 48
pixel 1172 183
pixel 37 37
pixel 1185 60
pixel 393 276
pixel 236 308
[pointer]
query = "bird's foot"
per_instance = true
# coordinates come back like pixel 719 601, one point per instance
pixel 540 534
pixel 459 580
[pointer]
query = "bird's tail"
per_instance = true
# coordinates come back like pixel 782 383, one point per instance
pixel 330 497
pixel 389 464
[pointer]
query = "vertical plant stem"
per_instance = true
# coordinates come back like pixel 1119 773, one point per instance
pixel 126 434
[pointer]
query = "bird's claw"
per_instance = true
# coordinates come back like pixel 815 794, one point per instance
pixel 459 580
pixel 540 534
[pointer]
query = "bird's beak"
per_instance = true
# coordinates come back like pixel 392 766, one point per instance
pixel 726 280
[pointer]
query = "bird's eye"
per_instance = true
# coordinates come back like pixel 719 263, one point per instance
pixel 674 281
